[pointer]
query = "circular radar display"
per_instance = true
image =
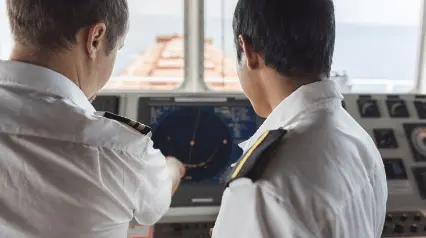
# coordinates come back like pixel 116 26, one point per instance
pixel 196 137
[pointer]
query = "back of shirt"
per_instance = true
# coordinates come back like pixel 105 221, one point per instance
pixel 65 172
pixel 329 177
pixel 324 178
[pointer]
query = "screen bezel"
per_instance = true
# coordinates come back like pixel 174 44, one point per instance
pixel 192 194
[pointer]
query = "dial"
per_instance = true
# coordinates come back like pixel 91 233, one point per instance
pixel 418 138
pixel 368 108
pixel 397 108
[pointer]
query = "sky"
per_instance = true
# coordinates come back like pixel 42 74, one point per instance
pixel 390 12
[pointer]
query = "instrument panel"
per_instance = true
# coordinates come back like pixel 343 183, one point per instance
pixel 204 130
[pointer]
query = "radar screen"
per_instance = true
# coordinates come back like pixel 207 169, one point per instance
pixel 205 138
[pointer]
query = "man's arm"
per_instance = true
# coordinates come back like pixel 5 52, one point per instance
pixel 159 179
pixel 249 211
pixel 176 170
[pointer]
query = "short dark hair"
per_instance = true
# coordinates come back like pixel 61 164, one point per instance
pixel 294 37
pixel 55 23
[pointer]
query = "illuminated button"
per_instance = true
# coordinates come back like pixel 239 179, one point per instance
pixel 368 108
pixel 398 229
pixel 397 108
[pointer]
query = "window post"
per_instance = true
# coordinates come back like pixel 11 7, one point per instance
pixel 194 46
pixel 420 85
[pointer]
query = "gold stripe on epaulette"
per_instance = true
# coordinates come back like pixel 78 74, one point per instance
pixel 243 161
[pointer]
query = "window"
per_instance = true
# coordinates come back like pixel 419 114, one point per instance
pixel 219 50
pixel 153 55
pixel 6 39
pixel 377 45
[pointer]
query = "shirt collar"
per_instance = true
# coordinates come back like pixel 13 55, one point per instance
pixel 40 79
pixel 298 103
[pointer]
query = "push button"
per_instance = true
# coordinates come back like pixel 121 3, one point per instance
pixel 389 218
pixel 404 217
pixel 413 228
pixel 399 229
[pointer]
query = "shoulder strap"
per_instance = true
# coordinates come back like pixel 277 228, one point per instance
pixel 252 161
pixel 143 129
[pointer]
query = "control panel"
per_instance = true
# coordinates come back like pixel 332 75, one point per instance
pixel 404 224
pixel 396 123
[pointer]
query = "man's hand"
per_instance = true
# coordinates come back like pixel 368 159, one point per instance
pixel 177 171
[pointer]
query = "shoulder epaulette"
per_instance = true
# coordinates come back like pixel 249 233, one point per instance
pixel 252 162
pixel 143 129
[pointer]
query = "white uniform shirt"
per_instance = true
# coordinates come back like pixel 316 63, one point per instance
pixel 65 172
pixel 325 180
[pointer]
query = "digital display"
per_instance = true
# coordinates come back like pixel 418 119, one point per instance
pixel 204 138
pixel 395 169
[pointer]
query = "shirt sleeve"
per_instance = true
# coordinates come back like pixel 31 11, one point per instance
pixel 156 188
pixel 249 211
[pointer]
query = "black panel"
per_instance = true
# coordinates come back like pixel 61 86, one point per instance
pixel 393 96
pixel 198 195
pixel 107 104
pixel 420 176
pixel 395 169
pixel 368 108
pixel 183 230
pixel 421 109
pixel 385 139
pixel 397 108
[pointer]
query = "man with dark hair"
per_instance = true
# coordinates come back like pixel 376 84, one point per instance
pixel 310 170
pixel 65 169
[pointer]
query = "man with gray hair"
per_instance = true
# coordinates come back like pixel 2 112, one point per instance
pixel 65 169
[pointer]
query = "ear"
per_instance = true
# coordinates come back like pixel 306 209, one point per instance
pixel 254 61
pixel 95 37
